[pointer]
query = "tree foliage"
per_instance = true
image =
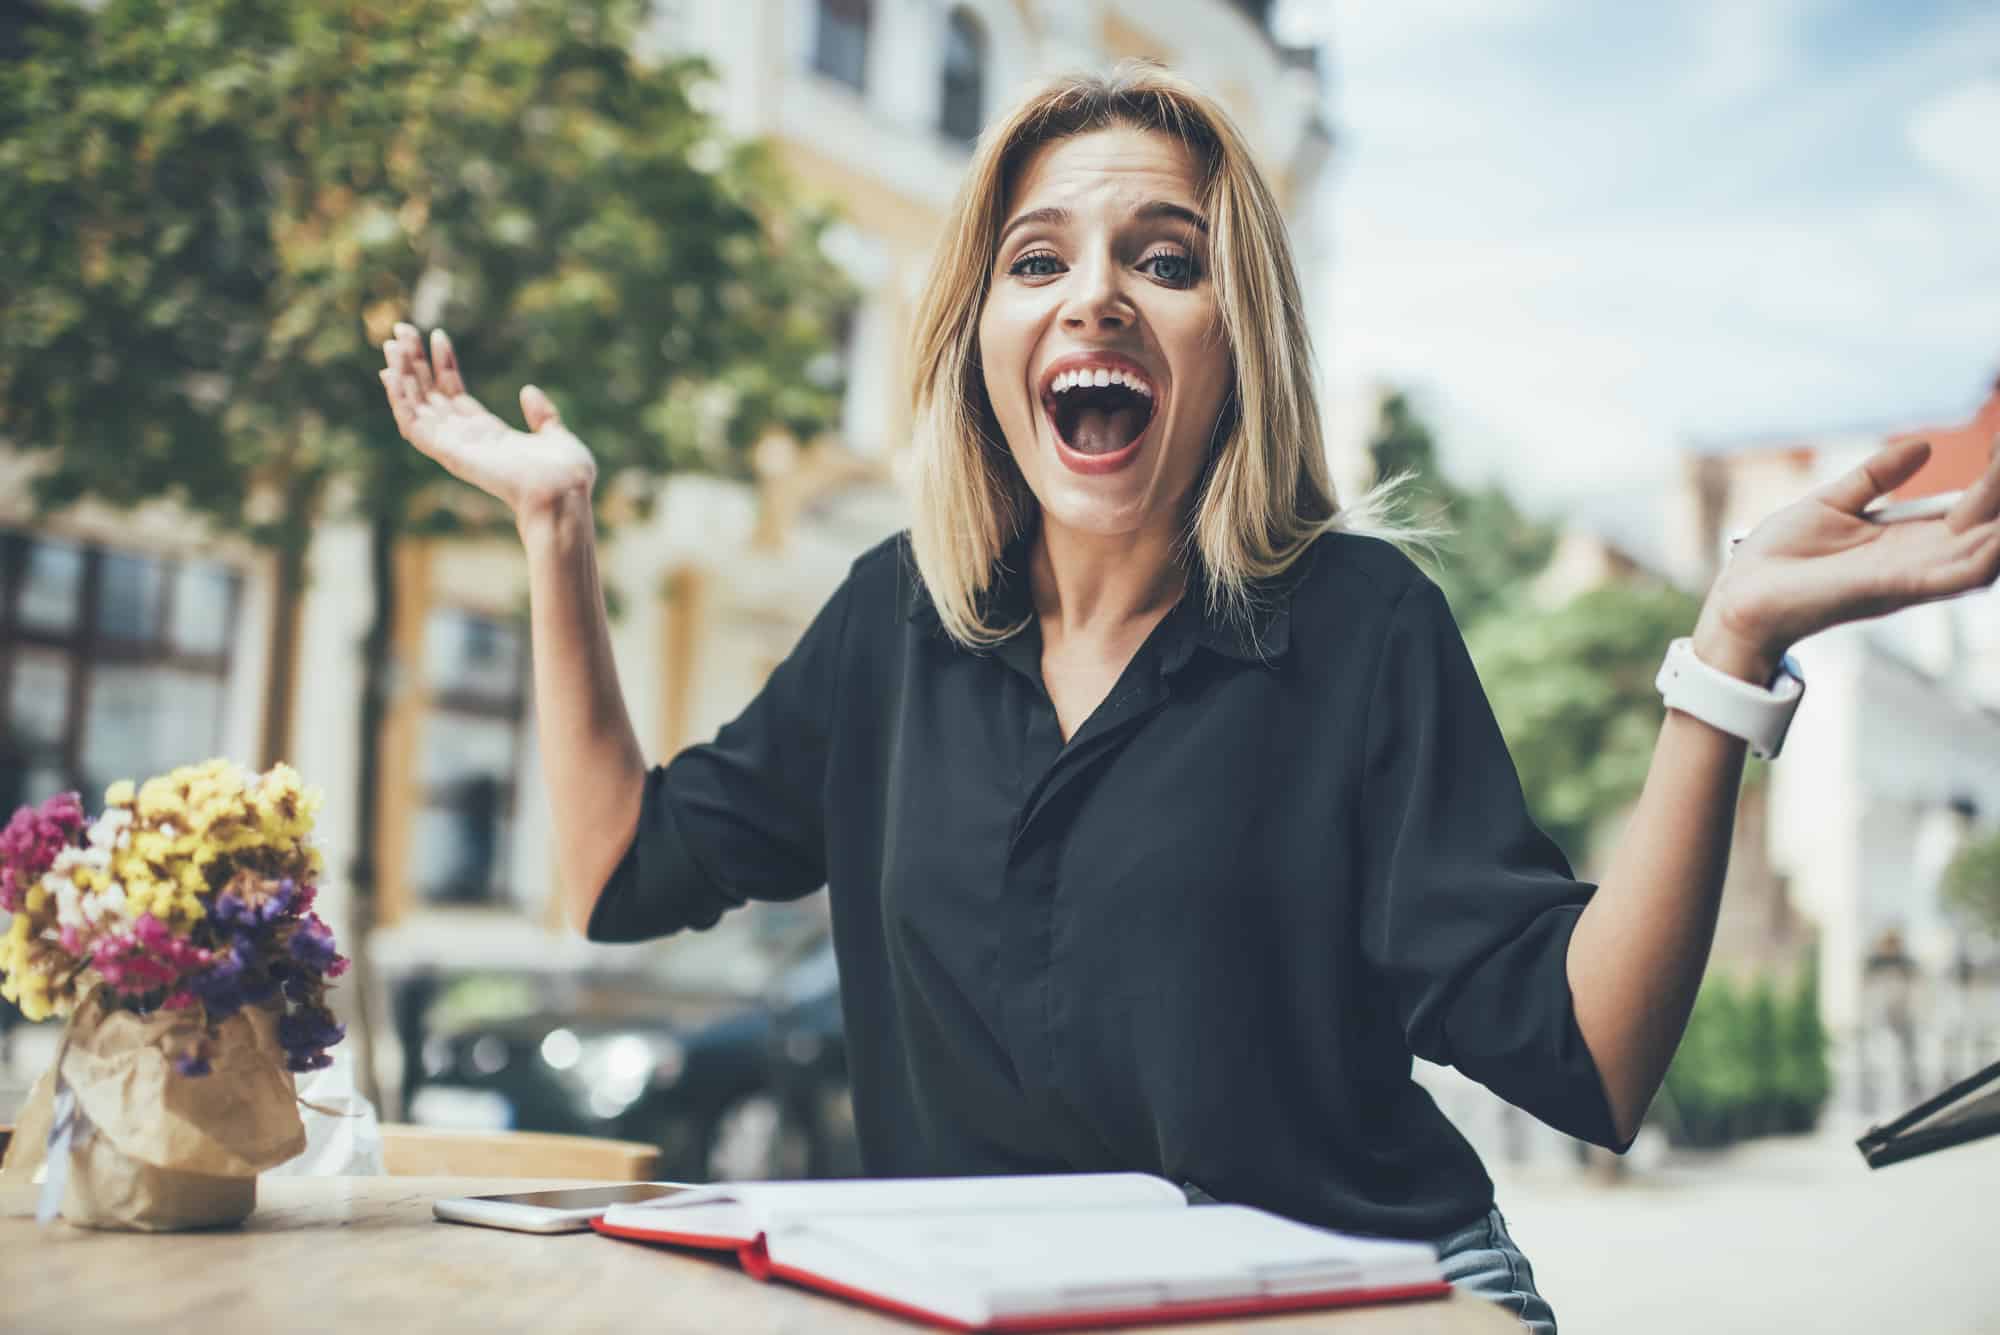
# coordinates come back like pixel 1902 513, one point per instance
pixel 1492 550
pixel 1972 882
pixel 1753 1061
pixel 216 208
pixel 1572 687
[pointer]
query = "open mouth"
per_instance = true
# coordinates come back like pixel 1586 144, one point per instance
pixel 1098 412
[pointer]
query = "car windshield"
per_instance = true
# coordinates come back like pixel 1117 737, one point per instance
pixel 743 958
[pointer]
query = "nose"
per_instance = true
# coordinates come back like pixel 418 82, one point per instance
pixel 1095 299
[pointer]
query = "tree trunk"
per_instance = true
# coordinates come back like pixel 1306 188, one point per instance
pixel 377 672
pixel 281 681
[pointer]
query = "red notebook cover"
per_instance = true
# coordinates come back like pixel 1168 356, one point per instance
pixel 757 1263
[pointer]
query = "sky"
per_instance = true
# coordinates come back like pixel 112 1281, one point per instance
pixel 1587 236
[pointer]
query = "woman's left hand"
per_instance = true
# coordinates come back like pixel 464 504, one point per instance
pixel 1818 563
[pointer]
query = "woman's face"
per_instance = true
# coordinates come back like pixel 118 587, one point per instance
pixel 1100 341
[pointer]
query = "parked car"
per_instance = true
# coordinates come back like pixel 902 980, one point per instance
pixel 729 1088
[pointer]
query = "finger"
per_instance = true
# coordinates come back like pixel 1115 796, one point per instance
pixel 398 407
pixel 1981 501
pixel 536 407
pixel 1881 472
pixel 419 365
pixel 1975 567
pixel 446 358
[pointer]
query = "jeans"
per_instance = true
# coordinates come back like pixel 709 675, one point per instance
pixel 1481 1258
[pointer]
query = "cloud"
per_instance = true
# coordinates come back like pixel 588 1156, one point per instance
pixel 1957 135
pixel 1742 49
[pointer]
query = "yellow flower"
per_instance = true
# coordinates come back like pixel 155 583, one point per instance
pixel 119 794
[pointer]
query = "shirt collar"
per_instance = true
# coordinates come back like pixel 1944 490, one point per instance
pixel 1265 637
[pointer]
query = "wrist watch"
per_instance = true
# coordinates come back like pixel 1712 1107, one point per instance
pixel 1759 715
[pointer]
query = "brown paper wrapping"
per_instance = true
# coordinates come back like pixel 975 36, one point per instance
pixel 30 1142
pixel 166 1151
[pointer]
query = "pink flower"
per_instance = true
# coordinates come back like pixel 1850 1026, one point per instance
pixel 30 842
pixel 147 958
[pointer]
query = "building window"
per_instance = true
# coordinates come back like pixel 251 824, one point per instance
pixel 961 111
pixel 113 665
pixel 840 44
pixel 476 670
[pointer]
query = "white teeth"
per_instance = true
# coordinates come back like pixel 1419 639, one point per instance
pixel 1099 377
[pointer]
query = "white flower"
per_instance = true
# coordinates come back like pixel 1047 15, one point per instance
pixel 76 907
pixel 110 829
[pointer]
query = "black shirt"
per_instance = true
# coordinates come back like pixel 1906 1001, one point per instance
pixel 1201 939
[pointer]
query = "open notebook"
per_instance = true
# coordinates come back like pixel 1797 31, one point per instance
pixel 1031 1253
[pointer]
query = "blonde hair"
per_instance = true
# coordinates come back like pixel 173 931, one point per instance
pixel 1265 492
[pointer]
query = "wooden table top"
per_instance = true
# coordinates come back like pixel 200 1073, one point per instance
pixel 364 1253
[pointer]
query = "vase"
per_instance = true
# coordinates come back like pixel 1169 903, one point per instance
pixel 157 1151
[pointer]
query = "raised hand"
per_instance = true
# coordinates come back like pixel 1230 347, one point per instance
pixel 1819 562
pixel 529 471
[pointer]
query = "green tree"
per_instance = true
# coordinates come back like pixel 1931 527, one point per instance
pixel 1492 550
pixel 1572 687
pixel 215 209
pixel 1972 882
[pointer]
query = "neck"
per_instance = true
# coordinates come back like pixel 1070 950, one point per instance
pixel 1094 587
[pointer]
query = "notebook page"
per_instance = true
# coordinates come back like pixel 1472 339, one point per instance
pixel 773 1206
pixel 1036 1261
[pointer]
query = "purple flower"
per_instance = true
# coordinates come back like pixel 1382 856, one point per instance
pixel 221 987
pixel 247 903
pixel 312 944
pixel 305 1035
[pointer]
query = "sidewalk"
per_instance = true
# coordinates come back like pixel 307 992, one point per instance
pixel 1785 1234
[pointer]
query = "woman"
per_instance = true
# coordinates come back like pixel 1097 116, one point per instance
pixel 1162 815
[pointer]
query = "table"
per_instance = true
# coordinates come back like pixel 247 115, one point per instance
pixel 364 1254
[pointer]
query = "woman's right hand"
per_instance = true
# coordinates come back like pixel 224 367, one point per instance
pixel 530 471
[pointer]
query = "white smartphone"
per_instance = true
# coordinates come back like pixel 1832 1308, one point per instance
pixel 566 1210
pixel 1924 507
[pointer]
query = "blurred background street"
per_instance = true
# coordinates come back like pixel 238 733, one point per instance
pixel 1783 1234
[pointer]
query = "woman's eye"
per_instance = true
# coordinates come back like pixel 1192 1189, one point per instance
pixel 1030 266
pixel 1174 270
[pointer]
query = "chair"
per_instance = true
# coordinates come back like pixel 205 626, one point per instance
pixel 429 1151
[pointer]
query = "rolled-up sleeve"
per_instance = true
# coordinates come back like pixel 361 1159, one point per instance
pixel 1467 906
pixel 741 817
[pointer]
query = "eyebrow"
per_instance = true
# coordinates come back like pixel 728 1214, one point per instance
pixel 1147 212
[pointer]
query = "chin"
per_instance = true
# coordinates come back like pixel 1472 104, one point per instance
pixel 1097 516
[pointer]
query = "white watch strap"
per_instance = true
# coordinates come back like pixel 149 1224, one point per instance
pixel 1730 704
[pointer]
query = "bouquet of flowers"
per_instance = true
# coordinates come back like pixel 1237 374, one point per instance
pixel 177 932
